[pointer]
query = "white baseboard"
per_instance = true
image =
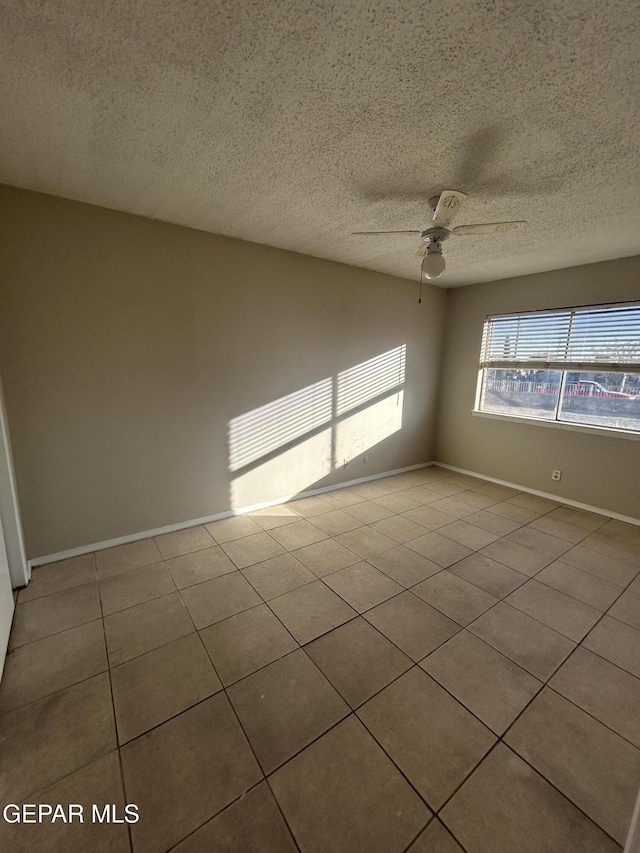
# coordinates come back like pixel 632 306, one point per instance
pixel 596 509
pixel 171 528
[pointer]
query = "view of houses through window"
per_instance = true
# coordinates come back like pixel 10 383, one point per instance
pixel 577 366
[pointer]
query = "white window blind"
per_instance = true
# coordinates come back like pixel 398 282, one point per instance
pixel 601 337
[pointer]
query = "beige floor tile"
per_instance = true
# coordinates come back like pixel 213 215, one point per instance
pixel 445 488
pixel 56 577
pixel 612 545
pixel 277 576
pixel 298 534
pixel 412 624
pixel 311 611
pixel 475 499
pixel 599 565
pixel 183 541
pixel 399 529
pixel 435 839
pixel 488 520
pixel 199 566
pixel 404 565
pixel 50 738
pixel 573 533
pixel 489 575
pixel 229 529
pixel 337 521
pixel 140 629
pixel 251 823
pixel 456 598
pixel 54 613
pixel 369 511
pixel 362 586
pixel 571 515
pixel 358 660
pixel 629 533
pixel 215 600
pixel 185 771
pixel 468 535
pixel 428 517
pixel 494 490
pixel 133 555
pixel 325 557
pixel 38 669
pixel 445 552
pixel 534 502
pixel 274 516
pixel 253 549
pixel 341 498
pixel 616 642
pixel 627 609
pixel 452 506
pixel 417 477
pixel 365 542
pixel 517 557
pixel 538 541
pixel 396 502
pixel 603 690
pixel 555 609
pixel 309 507
pixel 524 640
pixel 285 706
pixel 379 488
pixel 513 512
pixel 635 586
pixel 246 642
pixel 499 808
pixel 464 481
pixel 487 683
pixel 343 794
pixel 135 587
pixel 434 741
pixel 595 768
pixel 98 783
pixel 587 588
pixel 160 684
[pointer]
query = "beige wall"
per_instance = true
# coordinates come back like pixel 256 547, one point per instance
pixel 128 347
pixel 603 471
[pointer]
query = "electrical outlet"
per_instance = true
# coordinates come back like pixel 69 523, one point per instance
pixel 556 475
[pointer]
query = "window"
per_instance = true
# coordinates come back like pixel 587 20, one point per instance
pixel 572 366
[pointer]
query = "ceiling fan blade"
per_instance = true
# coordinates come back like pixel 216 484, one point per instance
pixel 489 228
pixel 369 233
pixel 447 207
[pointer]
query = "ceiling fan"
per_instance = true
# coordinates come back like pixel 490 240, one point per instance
pixel 445 206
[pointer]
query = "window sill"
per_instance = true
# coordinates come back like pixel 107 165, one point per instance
pixel 591 430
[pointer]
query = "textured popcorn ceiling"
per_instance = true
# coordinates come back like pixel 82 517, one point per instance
pixel 294 123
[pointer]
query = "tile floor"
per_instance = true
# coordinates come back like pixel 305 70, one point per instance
pixel 426 662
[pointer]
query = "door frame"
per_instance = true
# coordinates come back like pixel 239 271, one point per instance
pixel 19 569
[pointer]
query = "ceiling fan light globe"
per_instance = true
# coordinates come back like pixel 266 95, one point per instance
pixel 433 265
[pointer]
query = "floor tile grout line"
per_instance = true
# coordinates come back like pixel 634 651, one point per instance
pixel 408 589
pixel 535 770
pixel 283 815
pixel 405 589
pixel 215 815
pixel 463 627
pixel 435 819
pixel 113 711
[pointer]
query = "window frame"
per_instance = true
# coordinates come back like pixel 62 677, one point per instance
pixel 564 366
